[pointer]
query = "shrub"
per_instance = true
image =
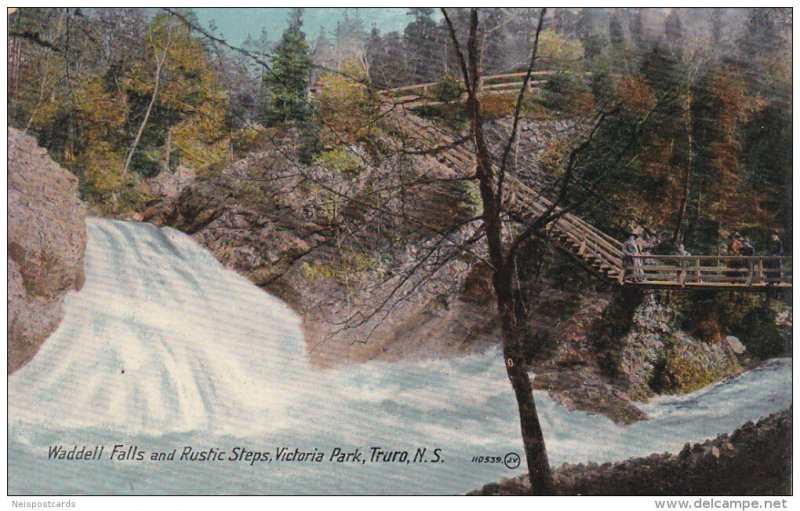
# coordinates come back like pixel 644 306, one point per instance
pixel 342 160
pixel 749 316
pixel 566 92
pixel 105 186
pixel 498 105
pixel 346 105
pixel 448 88
pixel 690 365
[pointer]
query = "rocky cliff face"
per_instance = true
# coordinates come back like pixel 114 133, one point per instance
pixel 46 243
pixel 332 246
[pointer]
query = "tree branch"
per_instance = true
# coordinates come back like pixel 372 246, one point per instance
pixel 518 107
pixel 457 48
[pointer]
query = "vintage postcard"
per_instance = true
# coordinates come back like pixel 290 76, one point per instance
pixel 400 251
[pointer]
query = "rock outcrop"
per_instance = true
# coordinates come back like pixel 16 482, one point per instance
pixel 756 459
pixel 46 244
pixel 324 242
pixel 645 352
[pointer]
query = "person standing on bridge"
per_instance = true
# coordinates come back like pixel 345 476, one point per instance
pixel 633 264
pixel 734 249
pixel 747 248
pixel 775 265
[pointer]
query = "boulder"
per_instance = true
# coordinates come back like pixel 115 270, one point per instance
pixel 168 184
pixel 735 344
pixel 46 244
pixel 690 364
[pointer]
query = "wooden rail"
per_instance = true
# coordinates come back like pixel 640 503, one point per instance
pixel 708 271
pixel 422 89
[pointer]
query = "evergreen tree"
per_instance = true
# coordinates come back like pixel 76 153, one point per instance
pixel 768 164
pixel 615 33
pixel 564 21
pixel 420 45
pixel 673 30
pixel 285 87
pixel 635 26
pixel 584 29
pixel 351 37
pixel 497 55
pixel 375 56
pixel 716 27
pixel 759 54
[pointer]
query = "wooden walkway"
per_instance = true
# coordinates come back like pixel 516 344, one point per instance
pixel 592 247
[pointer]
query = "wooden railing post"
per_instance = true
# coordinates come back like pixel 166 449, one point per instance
pixel 749 279
pixel 697 270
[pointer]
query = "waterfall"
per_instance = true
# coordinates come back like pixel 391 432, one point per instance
pixel 160 339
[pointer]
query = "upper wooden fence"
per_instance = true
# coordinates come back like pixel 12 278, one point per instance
pixel 425 94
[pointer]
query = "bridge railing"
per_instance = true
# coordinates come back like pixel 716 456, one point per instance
pixel 717 271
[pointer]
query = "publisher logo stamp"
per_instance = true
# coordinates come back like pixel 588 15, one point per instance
pixel 511 460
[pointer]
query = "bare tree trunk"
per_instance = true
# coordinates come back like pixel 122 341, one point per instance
pixel 159 65
pixel 503 274
pixel 40 98
pixel 168 150
pixel 687 176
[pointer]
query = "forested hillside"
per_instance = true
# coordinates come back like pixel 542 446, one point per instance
pixel 120 102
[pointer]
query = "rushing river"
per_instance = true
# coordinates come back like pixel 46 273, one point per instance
pixel 164 349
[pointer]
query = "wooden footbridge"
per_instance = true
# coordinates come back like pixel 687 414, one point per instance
pixel 592 247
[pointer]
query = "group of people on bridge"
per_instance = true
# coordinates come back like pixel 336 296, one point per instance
pixel 633 250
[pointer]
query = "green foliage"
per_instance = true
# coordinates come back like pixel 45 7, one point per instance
pixel 690 365
pixel 342 160
pixel 471 199
pixel 105 186
pixel 151 77
pixel 284 89
pixel 749 316
pixel 349 110
pixel 559 52
pixel 318 272
pixel 558 92
pixel 448 88
pixel 310 143
pixel 768 164
pixel 345 269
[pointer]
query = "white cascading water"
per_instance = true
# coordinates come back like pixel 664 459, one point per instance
pixel 163 348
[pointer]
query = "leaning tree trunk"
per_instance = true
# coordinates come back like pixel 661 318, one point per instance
pixel 502 263
pixel 157 82
pixel 517 371
pixel 516 367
